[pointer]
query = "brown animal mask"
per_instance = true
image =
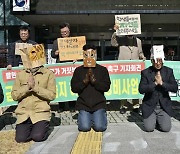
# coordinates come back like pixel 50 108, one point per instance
pixel 89 58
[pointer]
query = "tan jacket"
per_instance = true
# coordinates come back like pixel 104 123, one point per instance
pixel 128 52
pixel 35 103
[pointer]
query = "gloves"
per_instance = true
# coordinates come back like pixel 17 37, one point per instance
pixel 91 76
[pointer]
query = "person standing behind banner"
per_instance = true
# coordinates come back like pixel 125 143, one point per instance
pixel 156 82
pixel 130 48
pixel 65 32
pixel 13 59
pixel 90 81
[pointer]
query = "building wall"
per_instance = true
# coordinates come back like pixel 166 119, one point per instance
pixel 7 21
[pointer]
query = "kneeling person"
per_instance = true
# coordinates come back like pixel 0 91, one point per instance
pixel 156 81
pixel 90 81
pixel 34 88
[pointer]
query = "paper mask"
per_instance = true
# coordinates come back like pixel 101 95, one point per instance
pixel 33 56
pixel 157 52
pixel 89 58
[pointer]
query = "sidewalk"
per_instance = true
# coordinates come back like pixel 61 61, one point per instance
pixel 125 138
pixel 124 133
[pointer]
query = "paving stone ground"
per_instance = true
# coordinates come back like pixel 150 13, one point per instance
pixel 8 118
pixel 125 133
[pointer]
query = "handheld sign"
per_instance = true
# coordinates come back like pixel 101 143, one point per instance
pixel 70 48
pixel 20 46
pixel 128 24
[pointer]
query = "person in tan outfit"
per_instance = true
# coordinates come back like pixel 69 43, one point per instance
pixel 130 48
pixel 34 88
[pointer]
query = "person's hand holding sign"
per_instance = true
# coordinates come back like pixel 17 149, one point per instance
pixel 57 52
pixel 116 27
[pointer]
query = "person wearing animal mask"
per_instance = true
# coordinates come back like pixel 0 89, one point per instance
pixel 34 88
pixel 90 81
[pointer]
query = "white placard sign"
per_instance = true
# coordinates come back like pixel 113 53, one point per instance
pixel 129 24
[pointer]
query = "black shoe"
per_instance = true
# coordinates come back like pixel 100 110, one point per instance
pixel 72 110
pixel 122 110
pixel 60 110
pixel 137 110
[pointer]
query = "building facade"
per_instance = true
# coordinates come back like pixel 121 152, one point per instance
pixel 160 22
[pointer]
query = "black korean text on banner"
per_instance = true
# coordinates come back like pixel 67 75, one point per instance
pixel 70 48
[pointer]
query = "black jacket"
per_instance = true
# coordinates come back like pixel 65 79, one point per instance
pixel 1 94
pixel 91 97
pixel 13 59
pixel 155 94
pixel 55 47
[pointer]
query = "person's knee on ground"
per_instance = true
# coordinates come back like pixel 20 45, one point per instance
pixel 40 131
pixel 85 127
pixel 164 121
pixel 39 136
pixel 84 121
pixel 99 127
pixel 149 127
pixel 165 126
pixel 149 124
pixel 23 131
pixel 99 120
pixel 21 138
